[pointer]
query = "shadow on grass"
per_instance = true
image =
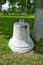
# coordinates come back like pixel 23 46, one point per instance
pixel 39 47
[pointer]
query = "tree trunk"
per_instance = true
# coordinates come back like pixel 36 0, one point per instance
pixel 39 3
pixel 38 24
pixel 0 7
pixel 23 2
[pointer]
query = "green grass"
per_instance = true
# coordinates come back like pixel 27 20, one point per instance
pixel 7 57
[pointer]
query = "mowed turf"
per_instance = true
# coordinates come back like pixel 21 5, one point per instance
pixel 7 57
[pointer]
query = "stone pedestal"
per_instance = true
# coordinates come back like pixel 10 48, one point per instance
pixel 21 41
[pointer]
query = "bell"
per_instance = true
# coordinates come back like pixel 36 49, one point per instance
pixel 21 41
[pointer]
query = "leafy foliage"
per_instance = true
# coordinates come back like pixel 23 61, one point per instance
pixel 2 1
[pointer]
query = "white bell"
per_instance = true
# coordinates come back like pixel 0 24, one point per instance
pixel 21 41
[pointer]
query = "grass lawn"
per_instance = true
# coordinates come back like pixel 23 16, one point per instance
pixel 7 57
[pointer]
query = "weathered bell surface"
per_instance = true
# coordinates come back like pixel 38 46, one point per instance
pixel 21 41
